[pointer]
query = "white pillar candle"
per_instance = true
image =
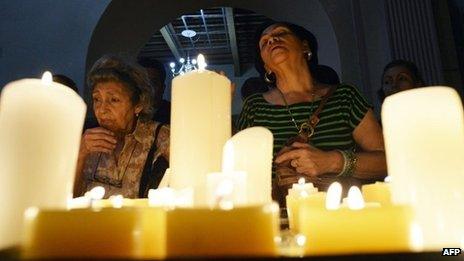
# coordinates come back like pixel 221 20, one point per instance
pixel 424 140
pixel 253 154
pixel 40 132
pixel 200 126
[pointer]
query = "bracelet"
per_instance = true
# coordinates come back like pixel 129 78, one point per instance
pixel 349 163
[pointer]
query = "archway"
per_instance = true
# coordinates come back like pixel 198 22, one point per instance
pixel 126 26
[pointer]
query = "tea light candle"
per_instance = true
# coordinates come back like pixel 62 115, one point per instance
pixel 41 127
pixel 200 126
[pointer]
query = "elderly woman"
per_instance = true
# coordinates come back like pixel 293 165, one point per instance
pixel 399 75
pixel 119 154
pixel 344 121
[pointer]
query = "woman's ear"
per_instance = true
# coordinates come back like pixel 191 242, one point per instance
pixel 138 109
pixel 306 48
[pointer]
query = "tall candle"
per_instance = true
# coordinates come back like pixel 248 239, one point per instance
pixel 424 140
pixel 41 126
pixel 200 126
pixel 253 154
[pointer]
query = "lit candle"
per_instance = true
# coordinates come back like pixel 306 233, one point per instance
pixel 41 126
pixel 244 231
pixel 301 193
pixel 229 185
pixel 89 198
pixel 88 233
pixel 253 155
pixel 424 142
pixel 302 189
pixel 354 227
pixel 200 126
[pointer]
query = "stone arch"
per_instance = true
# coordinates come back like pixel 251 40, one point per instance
pixel 135 23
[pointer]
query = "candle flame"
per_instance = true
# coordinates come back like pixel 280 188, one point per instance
pixel 96 193
pixel 355 198
pixel 47 78
pixel 201 62
pixel 301 181
pixel 304 194
pixel 228 157
pixel 117 201
pixel 388 179
pixel 334 195
pixel 300 240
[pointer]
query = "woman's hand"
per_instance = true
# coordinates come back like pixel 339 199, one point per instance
pixel 97 140
pixel 311 161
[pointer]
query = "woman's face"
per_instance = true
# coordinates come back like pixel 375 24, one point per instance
pixel 397 79
pixel 113 107
pixel 279 44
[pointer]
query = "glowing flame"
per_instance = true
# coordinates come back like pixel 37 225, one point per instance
pixel 96 193
pixel 47 78
pixel 201 62
pixel 116 201
pixel 334 195
pixel 355 198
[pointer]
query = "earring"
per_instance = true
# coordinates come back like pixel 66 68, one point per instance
pixel 309 55
pixel 267 78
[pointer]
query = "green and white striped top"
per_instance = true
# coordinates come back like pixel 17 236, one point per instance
pixel 341 114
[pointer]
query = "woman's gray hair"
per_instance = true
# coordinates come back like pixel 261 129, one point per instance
pixel 112 68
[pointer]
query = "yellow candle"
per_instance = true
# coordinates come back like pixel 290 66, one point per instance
pixel 314 200
pixel 424 142
pixel 245 231
pixel 378 192
pixel 109 232
pixel 253 154
pixel 41 126
pixel 346 231
pixel 200 126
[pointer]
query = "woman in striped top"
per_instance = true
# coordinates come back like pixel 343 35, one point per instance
pixel 287 54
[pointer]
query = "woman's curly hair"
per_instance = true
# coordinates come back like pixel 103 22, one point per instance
pixel 112 68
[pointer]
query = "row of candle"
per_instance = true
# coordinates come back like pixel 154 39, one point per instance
pixel 353 226
pixel 128 228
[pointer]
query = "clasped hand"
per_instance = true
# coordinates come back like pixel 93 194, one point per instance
pixel 309 160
